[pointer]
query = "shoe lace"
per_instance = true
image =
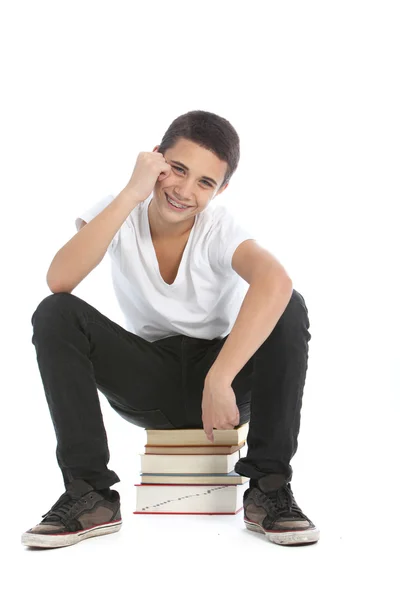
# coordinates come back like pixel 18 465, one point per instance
pixel 60 510
pixel 282 502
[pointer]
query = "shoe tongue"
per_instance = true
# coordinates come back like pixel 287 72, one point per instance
pixel 74 489
pixel 271 482
pixel 78 487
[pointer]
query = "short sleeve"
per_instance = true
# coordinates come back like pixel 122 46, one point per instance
pixel 226 235
pixel 93 211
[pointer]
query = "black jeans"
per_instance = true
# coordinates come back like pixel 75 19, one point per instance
pixel 159 385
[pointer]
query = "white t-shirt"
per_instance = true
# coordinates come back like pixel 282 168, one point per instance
pixel 206 296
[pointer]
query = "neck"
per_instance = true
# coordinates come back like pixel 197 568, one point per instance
pixel 160 230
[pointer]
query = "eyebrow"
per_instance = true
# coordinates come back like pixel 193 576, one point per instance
pixel 187 168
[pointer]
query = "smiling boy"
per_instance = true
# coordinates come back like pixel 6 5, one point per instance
pixel 215 336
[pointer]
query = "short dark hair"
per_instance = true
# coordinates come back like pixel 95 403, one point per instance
pixel 209 131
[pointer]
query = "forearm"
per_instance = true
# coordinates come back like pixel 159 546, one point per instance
pixel 85 250
pixel 262 307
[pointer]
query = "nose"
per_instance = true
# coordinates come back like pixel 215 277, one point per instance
pixel 184 191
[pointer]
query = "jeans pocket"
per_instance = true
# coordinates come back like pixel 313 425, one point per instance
pixel 148 419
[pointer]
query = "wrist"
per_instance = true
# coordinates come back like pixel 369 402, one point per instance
pixel 132 195
pixel 214 376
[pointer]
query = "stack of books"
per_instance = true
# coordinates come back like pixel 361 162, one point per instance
pixel 182 472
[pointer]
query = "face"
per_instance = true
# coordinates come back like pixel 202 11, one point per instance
pixel 195 184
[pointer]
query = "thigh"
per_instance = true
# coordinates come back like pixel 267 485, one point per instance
pixel 141 380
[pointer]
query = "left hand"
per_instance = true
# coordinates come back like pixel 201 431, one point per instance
pixel 219 408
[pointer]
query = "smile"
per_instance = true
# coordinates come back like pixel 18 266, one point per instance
pixel 174 205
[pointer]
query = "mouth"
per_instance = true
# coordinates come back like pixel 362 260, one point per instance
pixel 177 208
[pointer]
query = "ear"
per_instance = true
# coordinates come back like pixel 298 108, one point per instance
pixel 155 149
pixel 222 189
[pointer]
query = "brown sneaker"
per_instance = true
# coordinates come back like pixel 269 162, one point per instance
pixel 270 508
pixel 80 513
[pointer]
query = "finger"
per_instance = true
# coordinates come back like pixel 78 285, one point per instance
pixel 207 428
pixel 164 174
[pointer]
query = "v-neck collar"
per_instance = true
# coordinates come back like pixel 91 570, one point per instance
pixel 152 252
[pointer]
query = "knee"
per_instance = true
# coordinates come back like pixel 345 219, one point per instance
pixel 297 303
pixel 296 311
pixel 51 304
pixel 294 315
pixel 297 298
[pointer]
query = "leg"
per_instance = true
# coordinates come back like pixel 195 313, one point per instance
pixel 275 377
pixel 79 350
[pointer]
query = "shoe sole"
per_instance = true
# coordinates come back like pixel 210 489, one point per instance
pixel 286 538
pixel 44 540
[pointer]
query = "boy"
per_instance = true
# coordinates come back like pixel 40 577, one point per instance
pixel 213 327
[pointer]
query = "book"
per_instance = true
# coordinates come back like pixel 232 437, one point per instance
pixel 189 463
pixel 196 437
pixel 212 449
pixel 189 499
pixel 182 472
pixel 231 478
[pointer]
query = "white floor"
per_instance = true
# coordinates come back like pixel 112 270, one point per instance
pixel 318 185
pixel 207 556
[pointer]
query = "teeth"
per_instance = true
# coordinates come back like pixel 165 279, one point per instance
pixel 175 203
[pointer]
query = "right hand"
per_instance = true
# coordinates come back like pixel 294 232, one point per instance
pixel 150 167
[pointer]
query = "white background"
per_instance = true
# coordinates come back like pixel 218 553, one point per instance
pixel 312 88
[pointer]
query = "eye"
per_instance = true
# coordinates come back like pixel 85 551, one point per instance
pixel 182 170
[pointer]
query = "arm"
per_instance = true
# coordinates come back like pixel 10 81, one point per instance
pixel 78 257
pixel 262 307
pixel 266 300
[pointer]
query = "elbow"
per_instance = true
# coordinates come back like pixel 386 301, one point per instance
pixel 57 288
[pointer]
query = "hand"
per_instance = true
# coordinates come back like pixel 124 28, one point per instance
pixel 150 167
pixel 219 408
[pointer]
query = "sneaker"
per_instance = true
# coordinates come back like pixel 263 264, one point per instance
pixel 80 513
pixel 270 508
